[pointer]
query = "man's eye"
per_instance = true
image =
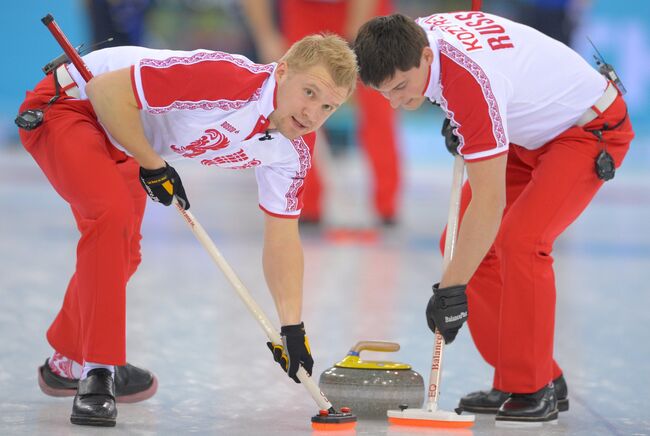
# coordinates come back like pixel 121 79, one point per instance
pixel 400 86
pixel 327 107
pixel 309 92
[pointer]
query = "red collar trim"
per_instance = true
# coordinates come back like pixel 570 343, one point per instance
pixel 262 125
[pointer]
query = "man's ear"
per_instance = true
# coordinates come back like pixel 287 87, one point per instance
pixel 427 56
pixel 281 71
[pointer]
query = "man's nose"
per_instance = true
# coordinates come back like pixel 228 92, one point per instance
pixel 308 113
pixel 393 98
pixel 314 112
pixel 395 101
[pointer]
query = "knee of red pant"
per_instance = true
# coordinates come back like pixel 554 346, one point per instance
pixel 516 240
pixel 136 255
pixel 116 215
pixel 134 260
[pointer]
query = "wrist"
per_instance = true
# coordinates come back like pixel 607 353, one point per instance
pixel 453 279
pixel 153 164
pixel 449 290
pixel 153 172
pixel 449 284
pixel 293 329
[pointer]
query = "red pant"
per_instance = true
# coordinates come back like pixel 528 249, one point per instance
pixel 511 296
pixel 102 187
pixel 376 119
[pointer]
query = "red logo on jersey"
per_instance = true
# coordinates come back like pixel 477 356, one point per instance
pixel 467 37
pixel 238 156
pixel 229 127
pixel 212 140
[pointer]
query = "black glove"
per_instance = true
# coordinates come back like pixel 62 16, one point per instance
pixel 163 184
pixel 451 140
pixel 447 311
pixel 294 350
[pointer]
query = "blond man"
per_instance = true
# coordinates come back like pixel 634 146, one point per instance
pixel 102 142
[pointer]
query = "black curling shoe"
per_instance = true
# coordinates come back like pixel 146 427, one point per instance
pixel 132 384
pixel 490 401
pixel 94 403
pixel 539 406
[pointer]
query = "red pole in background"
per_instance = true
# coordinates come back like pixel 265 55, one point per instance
pixel 476 5
pixel 69 50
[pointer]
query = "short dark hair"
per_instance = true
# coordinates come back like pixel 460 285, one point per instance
pixel 387 44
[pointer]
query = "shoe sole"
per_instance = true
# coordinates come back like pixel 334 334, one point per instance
pixel 96 422
pixel 66 392
pixel 139 396
pixel 53 392
pixel 562 406
pixel 550 417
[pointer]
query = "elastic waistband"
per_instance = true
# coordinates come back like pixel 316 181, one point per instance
pixel 601 105
pixel 68 86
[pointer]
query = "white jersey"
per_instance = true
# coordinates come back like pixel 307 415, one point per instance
pixel 212 107
pixel 501 82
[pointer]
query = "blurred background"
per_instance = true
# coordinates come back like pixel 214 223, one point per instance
pixel 620 30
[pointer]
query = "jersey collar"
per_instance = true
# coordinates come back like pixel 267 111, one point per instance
pixel 433 90
pixel 265 104
pixel 267 101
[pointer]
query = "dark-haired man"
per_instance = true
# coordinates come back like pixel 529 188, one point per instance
pixel 540 131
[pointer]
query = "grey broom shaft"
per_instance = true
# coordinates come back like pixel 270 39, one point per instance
pixel 251 304
pixel 450 246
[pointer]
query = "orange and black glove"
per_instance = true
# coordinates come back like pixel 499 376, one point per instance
pixel 163 184
pixel 294 350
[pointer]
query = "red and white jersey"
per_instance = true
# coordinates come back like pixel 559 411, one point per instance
pixel 502 82
pixel 212 107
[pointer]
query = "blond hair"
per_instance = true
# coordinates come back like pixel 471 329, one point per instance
pixel 330 51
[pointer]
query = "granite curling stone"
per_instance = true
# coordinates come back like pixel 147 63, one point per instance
pixel 370 388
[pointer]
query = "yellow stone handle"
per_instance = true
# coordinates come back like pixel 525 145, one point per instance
pixel 375 346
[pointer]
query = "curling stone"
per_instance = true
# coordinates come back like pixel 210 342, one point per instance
pixel 370 388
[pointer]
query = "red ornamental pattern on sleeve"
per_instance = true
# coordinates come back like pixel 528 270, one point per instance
pixel 304 158
pixel 207 56
pixel 477 72
pixel 225 105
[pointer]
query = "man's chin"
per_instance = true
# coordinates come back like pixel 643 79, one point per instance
pixel 293 134
pixel 413 105
pixel 290 135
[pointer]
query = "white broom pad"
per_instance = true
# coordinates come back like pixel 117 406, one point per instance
pixel 423 414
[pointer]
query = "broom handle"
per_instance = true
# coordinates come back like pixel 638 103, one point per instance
pixel 450 245
pixel 68 49
pixel 202 236
pixel 251 304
